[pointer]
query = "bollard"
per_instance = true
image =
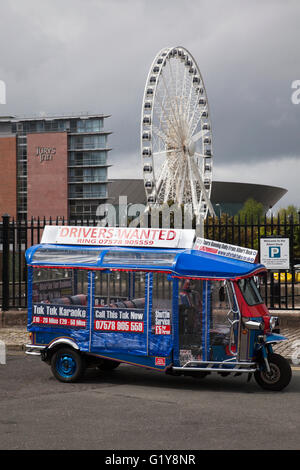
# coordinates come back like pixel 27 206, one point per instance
pixel 2 353
pixel 5 263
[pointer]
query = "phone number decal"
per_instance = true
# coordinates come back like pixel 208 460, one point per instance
pixel 123 326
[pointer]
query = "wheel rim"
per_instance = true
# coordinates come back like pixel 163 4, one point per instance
pixel 273 376
pixel 176 139
pixel 66 365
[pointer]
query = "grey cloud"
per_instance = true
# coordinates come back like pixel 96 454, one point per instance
pixel 94 55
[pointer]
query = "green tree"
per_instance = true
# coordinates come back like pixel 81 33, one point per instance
pixel 289 218
pixel 290 210
pixel 251 210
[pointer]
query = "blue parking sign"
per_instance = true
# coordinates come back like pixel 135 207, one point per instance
pixel 274 252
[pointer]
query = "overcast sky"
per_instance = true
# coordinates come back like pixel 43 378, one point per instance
pixel 93 55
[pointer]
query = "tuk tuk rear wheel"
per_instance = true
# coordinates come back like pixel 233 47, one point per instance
pixel 67 365
pixel 279 376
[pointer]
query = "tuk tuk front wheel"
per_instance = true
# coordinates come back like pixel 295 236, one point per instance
pixel 279 376
pixel 67 365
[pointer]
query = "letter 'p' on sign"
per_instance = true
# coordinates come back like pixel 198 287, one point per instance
pixel 2 92
pixel 274 251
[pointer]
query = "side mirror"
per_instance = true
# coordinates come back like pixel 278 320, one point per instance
pixel 222 294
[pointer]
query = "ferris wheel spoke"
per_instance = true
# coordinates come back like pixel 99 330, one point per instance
pixel 193 123
pixel 199 154
pixel 194 126
pixel 189 94
pixel 188 104
pixel 166 151
pixel 196 104
pixel 171 105
pixel 199 135
pixel 167 189
pixel 160 112
pixel 159 133
pixel 182 186
pixel 192 184
pixel 174 81
pixel 162 177
pixel 175 171
pixel 160 117
pixel 182 91
pixel 203 190
pixel 177 79
pixel 165 114
pixel 163 140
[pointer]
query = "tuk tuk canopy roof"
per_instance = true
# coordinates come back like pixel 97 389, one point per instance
pixel 179 262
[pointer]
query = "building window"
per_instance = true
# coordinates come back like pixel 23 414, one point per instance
pixel 87 175
pixel 88 191
pixel 78 209
pixel 87 158
pixel 87 142
pixel 89 125
pixel 40 126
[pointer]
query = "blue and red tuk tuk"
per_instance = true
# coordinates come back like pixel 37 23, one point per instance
pixel 99 297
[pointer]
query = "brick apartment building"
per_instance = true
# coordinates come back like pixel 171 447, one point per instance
pixel 53 166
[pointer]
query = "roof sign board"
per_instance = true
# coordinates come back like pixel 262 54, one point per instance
pixel 275 253
pixel 119 236
pixel 224 249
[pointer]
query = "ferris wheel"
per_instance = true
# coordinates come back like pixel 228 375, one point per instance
pixel 176 137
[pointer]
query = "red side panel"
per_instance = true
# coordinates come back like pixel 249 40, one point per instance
pixel 250 311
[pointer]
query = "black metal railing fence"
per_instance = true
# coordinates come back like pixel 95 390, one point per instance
pixel 280 289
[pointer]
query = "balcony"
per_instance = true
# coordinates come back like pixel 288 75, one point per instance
pixel 87 163
pixel 87 179
pixel 86 196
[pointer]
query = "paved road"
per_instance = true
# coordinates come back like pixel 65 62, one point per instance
pixel 132 408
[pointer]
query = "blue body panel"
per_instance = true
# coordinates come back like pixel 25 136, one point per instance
pixel 186 262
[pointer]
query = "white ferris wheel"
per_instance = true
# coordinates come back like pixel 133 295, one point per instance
pixel 176 137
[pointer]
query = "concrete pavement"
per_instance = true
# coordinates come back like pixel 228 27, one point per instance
pixel 132 409
pixel 15 337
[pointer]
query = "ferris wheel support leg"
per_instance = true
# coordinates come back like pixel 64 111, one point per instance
pixel 193 187
pixel 207 200
pixel 200 226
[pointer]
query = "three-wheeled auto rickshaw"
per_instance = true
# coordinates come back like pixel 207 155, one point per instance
pixel 155 298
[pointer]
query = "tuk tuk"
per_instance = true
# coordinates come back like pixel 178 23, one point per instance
pixel 155 298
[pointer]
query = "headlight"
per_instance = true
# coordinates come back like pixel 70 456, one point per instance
pixel 273 322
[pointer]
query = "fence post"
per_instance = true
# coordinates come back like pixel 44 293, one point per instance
pixel 5 263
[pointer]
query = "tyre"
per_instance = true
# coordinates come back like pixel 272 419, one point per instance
pixel 67 365
pixel 279 376
pixel 107 364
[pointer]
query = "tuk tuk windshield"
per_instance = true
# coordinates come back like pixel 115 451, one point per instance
pixel 250 291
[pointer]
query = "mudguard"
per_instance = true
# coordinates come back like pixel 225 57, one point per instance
pixel 63 341
pixel 274 338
